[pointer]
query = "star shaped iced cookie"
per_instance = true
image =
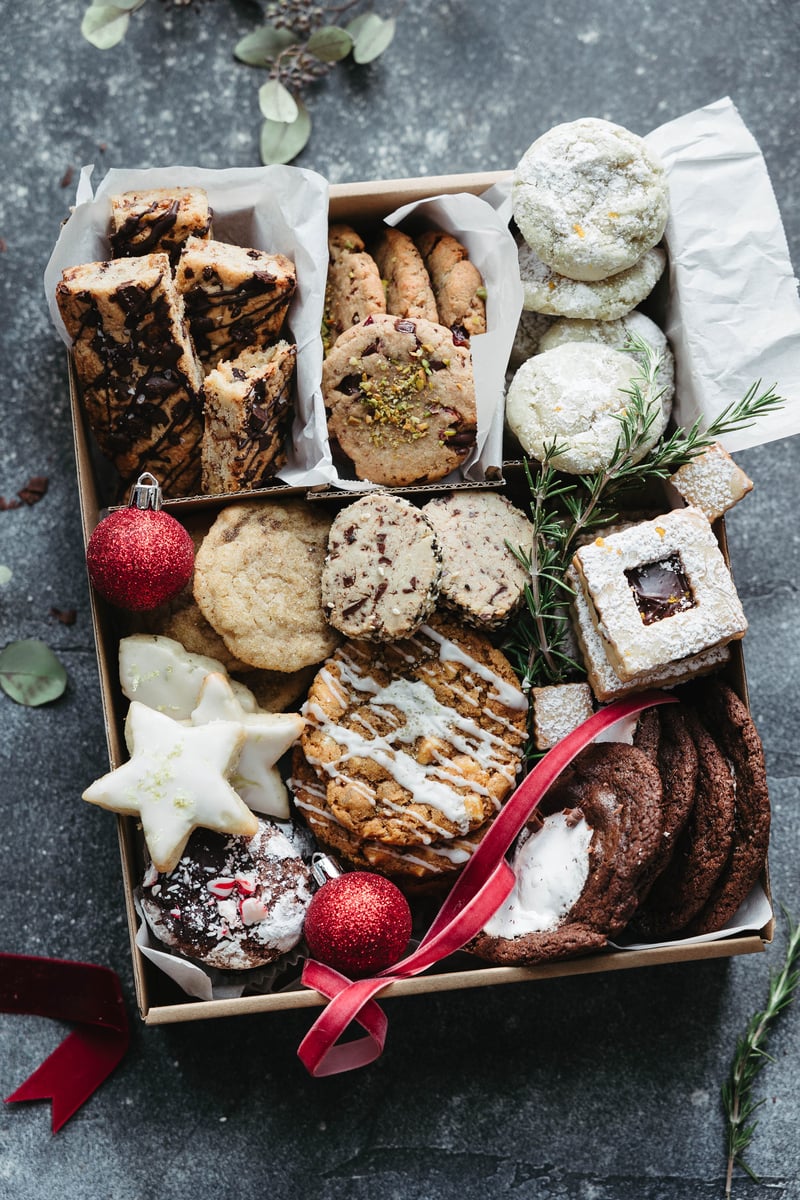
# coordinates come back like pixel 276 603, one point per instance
pixel 266 737
pixel 175 780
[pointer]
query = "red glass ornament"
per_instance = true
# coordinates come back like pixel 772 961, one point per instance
pixel 358 924
pixel 139 557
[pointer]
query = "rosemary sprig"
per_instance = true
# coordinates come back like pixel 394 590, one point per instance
pixel 751 1057
pixel 563 508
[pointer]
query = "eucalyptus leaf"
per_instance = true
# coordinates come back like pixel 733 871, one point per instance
pixel 5 574
pixel 355 26
pixel 128 6
pixel 330 44
pixel 30 673
pixel 277 103
pixel 104 25
pixel 281 141
pixel 258 47
pixel 373 37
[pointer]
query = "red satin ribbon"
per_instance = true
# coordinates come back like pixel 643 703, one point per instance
pixel 479 891
pixel 68 991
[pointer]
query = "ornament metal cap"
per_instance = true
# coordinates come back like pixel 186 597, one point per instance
pixel 324 868
pixel 146 493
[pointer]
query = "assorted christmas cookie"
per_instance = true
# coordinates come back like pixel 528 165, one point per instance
pixel 401 399
pixel 417 740
pixel 405 278
pixel 591 198
pixel 258 579
pixel 574 396
pixel 354 289
pixel 546 292
pixel 381 575
pixel 478 533
pixel 457 283
pixel 158 219
pixel 230 902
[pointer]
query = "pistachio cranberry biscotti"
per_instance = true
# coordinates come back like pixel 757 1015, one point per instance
pixel 235 297
pixel 138 373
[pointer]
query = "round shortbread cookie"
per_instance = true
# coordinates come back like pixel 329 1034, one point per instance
pixel 257 580
pixel 574 395
pixel 381 576
pixel 615 334
pixel 591 198
pixel 544 291
pixel 419 740
pixel 401 397
pixel 481 579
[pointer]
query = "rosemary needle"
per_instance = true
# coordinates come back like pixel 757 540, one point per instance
pixel 751 1056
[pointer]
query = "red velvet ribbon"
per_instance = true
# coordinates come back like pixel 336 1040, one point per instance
pixel 84 993
pixel 479 891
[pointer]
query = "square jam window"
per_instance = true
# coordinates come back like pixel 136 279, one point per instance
pixel 660 589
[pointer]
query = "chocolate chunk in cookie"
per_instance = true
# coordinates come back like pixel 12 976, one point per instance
pixel 381 576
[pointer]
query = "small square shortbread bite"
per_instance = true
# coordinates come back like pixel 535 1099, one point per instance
pixel 139 377
pixel 712 482
pixel 603 679
pixel 247 406
pixel 659 591
pixel 557 710
pixel 158 219
pixel 235 297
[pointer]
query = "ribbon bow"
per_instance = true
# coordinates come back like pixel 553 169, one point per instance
pixel 479 891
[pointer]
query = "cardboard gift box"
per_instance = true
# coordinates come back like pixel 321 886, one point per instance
pixel 160 1000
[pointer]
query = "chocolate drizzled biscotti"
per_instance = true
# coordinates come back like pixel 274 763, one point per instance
pixel 247 406
pixel 158 219
pixel 235 297
pixel 138 373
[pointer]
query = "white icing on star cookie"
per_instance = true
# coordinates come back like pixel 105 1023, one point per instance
pixel 176 780
pixel 266 737
pixel 159 672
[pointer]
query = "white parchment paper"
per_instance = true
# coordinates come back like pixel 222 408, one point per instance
pixel 281 209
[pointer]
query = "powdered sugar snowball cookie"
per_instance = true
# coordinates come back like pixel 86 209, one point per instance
pixel 257 580
pixel 401 399
pixel 231 902
pixel 381 577
pixel 616 335
pixel 574 396
pixel 590 197
pixel 481 579
pixel 545 291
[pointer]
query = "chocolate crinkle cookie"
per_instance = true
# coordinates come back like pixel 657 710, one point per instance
pixel 580 862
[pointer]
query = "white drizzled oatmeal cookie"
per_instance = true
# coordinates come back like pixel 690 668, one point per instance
pixel 401 398
pixel 418 740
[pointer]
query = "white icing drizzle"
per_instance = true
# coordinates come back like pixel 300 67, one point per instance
pixel 505 693
pixel 551 869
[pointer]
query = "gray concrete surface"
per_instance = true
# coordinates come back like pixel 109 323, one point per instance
pixel 597 1088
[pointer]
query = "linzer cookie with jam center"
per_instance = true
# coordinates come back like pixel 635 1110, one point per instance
pixel 158 219
pixel 659 591
pixel 381 576
pixel 401 399
pixel 235 297
pixel 138 373
pixel 418 740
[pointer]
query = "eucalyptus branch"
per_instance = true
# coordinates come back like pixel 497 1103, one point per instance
pixel 751 1057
